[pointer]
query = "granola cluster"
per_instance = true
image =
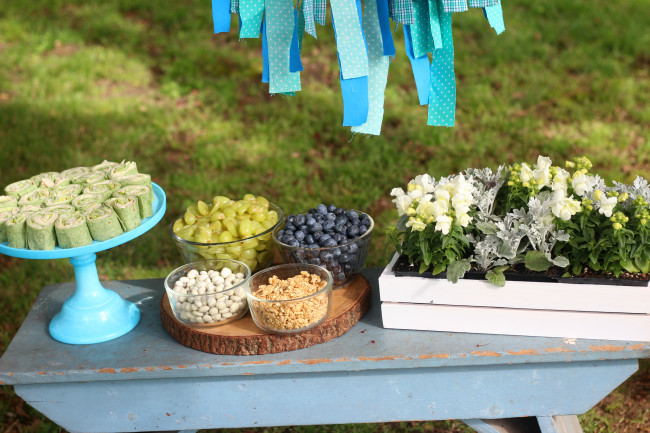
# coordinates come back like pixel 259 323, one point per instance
pixel 290 314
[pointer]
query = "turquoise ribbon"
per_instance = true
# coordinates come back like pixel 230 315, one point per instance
pixel 434 24
pixel 350 45
pixel 421 29
pixel 280 28
pixel 378 64
pixel 388 46
pixel 295 65
pixel 354 90
pixel 494 15
pixel 265 54
pixel 421 68
pixel 221 15
pixel 442 96
pixel 251 13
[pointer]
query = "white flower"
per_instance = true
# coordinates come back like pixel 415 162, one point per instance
pixel 416 194
pixel 442 194
pixel 397 192
pixel 443 224
pixel 439 208
pixel 526 174
pixel 463 220
pixel 402 203
pixel 564 207
pixel 560 180
pixel 415 224
pixel 542 171
pixel 424 181
pixel 607 205
pixel 583 184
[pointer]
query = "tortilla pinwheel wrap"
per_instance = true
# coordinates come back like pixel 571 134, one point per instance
pixel 105 188
pixel 127 209
pixel 71 189
pixel 16 234
pixel 37 179
pixel 72 172
pixel 135 179
pixel 105 166
pixel 20 188
pixel 88 178
pixel 60 198
pixel 54 182
pixel 124 168
pixel 143 193
pixel 103 223
pixel 5 215
pixel 40 230
pixel 84 201
pixel 37 197
pixel 61 209
pixel 72 231
pixel 7 201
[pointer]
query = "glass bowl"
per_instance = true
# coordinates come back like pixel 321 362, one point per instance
pixel 290 311
pixel 256 251
pixel 203 294
pixel 344 261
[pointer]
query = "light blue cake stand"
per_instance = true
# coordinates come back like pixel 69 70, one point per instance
pixel 93 314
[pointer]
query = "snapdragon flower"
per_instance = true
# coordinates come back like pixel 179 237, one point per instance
pixel 582 183
pixel 564 207
pixel 606 203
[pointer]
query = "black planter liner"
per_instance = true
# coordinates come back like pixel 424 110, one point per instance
pixel 402 268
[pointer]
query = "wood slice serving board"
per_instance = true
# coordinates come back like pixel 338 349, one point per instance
pixel 243 337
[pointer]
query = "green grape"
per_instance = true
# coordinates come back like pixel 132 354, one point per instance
pixel 250 243
pixel 217 216
pixel 262 246
pixel 251 263
pixel 203 231
pixel 215 226
pixel 249 197
pixel 224 256
pixel 263 257
pixel 248 254
pixel 258 228
pixel 202 238
pixel 220 200
pixel 202 208
pixel 246 228
pixel 242 206
pixel 273 216
pixel 186 232
pixel 203 220
pixel 189 218
pixel 193 208
pixel 225 236
pixel 178 224
pixel 230 211
pixel 231 226
pixel 263 201
pixel 234 249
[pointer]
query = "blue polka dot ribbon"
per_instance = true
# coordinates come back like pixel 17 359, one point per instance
pixel 354 89
pixel 280 29
pixel 251 13
pixel 421 68
pixel 378 64
pixel 494 15
pixel 442 94
pixel 350 45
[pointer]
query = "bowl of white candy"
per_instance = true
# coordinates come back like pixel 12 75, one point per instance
pixel 208 292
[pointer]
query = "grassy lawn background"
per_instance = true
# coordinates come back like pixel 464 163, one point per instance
pixel 83 81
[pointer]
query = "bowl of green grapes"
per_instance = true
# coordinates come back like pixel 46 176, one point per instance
pixel 228 228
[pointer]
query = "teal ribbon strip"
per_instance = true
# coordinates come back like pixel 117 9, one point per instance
pixel 434 23
pixel 351 48
pixel 386 36
pixel 295 65
pixel 494 15
pixel 280 27
pixel 421 68
pixel 221 15
pixel 378 68
pixel 265 54
pixel 251 13
pixel 421 29
pixel 301 24
pixel 353 90
pixel 442 96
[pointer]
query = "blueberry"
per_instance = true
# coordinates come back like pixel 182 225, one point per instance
pixel 330 216
pixel 312 211
pixel 329 243
pixel 314 245
pixel 309 239
pixel 339 211
pixel 352 215
pixel 344 258
pixel 316 235
pixel 353 231
pixel 340 276
pixel 289 226
pixel 338 237
pixel 299 235
pixel 341 219
pixel 340 228
pixel 365 221
pixel 293 243
pixel 324 238
pixel 336 252
pixel 309 221
pixel 315 261
pixel 337 268
pixel 362 229
pixel 328 226
pixel 344 248
pixel 321 209
pixel 300 219
pixel 319 217
pixel 331 208
pixel 281 234
pixel 353 248
pixel 327 256
pixel 317 227
pixel 287 238
pixel 347 267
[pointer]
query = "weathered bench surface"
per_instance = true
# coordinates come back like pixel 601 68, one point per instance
pixel 145 380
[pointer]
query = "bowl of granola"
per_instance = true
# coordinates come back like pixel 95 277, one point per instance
pixel 289 298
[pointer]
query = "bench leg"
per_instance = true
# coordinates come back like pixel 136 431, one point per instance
pixel 541 424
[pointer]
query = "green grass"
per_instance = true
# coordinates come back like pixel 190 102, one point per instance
pixel 83 81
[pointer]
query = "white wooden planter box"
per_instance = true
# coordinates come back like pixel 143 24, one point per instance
pixel 519 308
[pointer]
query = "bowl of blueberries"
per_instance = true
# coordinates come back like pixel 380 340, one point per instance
pixel 329 236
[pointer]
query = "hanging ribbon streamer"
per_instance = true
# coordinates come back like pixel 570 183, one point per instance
pixel 421 68
pixel 442 96
pixel 354 89
pixel 388 46
pixel 251 13
pixel 350 46
pixel 320 12
pixel 421 29
pixel 378 64
pixel 307 12
pixel 401 11
pixel 280 27
pixel 221 15
pixel 295 65
pixel 494 15
pixel 434 23
pixel 234 9
pixel 265 54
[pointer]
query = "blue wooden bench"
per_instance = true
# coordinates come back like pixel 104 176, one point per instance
pixel 146 381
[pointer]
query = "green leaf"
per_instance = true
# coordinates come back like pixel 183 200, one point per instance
pixel 629 266
pixel 440 267
pixel 456 270
pixel 496 277
pixel 537 261
pixel 487 228
pixel 577 269
pixel 423 267
pixel 561 261
pixel 643 264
